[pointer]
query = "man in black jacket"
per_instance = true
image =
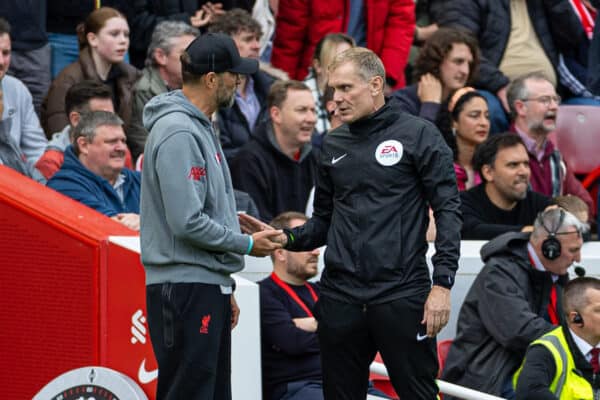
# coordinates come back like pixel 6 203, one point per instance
pixel 564 362
pixel 503 202
pixel 515 299
pixel 378 174
pixel 277 168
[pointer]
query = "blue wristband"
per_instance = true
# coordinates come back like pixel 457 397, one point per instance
pixel 250 245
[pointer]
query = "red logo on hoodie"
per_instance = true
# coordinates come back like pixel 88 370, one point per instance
pixel 196 173
pixel 205 322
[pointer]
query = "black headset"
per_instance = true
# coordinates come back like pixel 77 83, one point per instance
pixel 578 319
pixel 551 248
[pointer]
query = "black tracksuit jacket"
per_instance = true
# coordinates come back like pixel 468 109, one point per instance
pixel 373 217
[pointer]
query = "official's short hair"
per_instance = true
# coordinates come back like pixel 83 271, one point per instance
pixel 517 90
pixel 436 49
pixel 235 21
pixel 79 95
pixel 163 35
pixel 556 220
pixel 575 296
pixel 90 122
pixel 284 220
pixel 279 91
pixel 486 152
pixel 367 63
pixel 4 27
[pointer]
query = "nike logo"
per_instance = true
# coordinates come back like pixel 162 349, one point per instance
pixel 421 337
pixel 335 160
pixel 145 376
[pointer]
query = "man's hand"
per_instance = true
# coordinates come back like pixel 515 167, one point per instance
pixel 501 94
pixel 308 324
pixel 250 225
pixel 130 220
pixel 206 14
pixel 266 242
pixel 235 312
pixel 429 89
pixel 437 310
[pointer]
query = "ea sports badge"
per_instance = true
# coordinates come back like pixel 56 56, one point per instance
pixel 389 153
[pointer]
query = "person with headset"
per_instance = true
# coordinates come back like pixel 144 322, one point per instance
pixel 563 364
pixel 513 301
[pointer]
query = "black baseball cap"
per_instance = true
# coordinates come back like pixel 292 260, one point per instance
pixel 217 52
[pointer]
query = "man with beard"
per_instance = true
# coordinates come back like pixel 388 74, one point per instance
pixel 515 298
pixel 503 202
pixel 94 173
pixel 534 105
pixel 277 168
pixel 290 350
pixel 190 236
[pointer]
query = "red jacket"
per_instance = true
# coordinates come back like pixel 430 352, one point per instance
pixel 302 23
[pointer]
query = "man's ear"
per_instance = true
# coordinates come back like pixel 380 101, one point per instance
pixel 376 85
pixel 211 80
pixel 487 172
pixel 279 255
pixel 74 118
pixel 82 144
pixel 160 57
pixel 275 114
pixel 520 107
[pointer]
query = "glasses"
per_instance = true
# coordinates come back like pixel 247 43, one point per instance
pixel 546 100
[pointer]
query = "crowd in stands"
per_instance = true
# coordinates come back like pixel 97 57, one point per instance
pixel 76 78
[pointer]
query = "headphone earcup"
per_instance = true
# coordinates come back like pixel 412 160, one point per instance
pixel 551 248
pixel 578 319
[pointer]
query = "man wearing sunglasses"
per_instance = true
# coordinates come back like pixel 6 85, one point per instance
pixel 534 107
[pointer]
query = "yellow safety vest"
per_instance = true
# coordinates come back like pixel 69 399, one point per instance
pixel 567 384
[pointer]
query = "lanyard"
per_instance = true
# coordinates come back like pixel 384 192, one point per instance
pixel 293 294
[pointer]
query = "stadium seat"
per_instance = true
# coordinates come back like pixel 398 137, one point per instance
pixel 578 137
pixel 591 183
pixel 442 351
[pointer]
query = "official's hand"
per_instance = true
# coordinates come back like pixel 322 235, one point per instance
pixel 130 220
pixel 437 310
pixel 308 324
pixel 266 242
pixel 250 225
pixel 429 89
pixel 235 312
pixel 501 94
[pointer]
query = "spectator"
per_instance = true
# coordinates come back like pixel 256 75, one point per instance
pixel 94 172
pixel 104 39
pixel 237 123
pixel 290 350
pixel 448 61
pixel 578 208
pixel 593 79
pixel 82 97
pixel 190 238
pixel 64 17
pixel 515 37
pixel 277 167
pixel 464 121
pixel 316 80
pixel 161 74
pixel 385 27
pixel 20 123
pixel 30 49
pixel 534 107
pixel 564 362
pixel 515 299
pixel 503 203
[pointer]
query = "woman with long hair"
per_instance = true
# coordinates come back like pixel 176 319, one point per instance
pixel 464 121
pixel 103 43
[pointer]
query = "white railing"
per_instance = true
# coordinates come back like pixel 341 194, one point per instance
pixel 445 387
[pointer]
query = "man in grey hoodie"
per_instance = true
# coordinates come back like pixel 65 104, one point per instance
pixel 190 235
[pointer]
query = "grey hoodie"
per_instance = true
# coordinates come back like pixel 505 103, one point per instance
pixel 189 228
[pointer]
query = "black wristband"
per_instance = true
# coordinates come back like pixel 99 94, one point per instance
pixel 445 281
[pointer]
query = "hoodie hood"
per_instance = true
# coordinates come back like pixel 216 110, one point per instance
pixel 171 102
pixel 510 243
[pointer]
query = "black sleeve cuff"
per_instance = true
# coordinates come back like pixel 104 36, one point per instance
pixel 446 281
